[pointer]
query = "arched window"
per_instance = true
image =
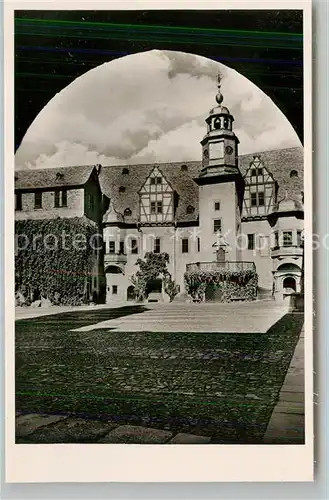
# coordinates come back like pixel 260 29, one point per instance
pixel 190 209
pixel 127 212
pixel 122 189
pixel 294 173
pixel 184 168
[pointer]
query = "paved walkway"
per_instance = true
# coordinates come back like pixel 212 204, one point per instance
pixel 288 418
pixel 40 428
pixel 251 317
pixel 36 312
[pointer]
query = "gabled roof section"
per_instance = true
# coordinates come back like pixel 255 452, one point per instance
pixel 257 166
pixel 179 176
pixel 280 163
pixel 154 176
pixel 53 177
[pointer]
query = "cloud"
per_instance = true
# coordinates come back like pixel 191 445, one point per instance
pixel 145 107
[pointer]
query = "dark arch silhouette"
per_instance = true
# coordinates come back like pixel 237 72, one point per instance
pixel 289 268
pixel 46 61
pixel 113 270
pixel 289 282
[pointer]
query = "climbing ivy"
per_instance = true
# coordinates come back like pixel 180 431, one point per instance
pixel 234 285
pixel 55 259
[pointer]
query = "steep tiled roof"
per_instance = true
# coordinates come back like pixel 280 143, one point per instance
pixel 181 179
pixel 121 184
pixel 53 177
pixel 280 163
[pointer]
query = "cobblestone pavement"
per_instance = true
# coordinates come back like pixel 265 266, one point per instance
pixel 287 423
pixel 218 385
pixel 251 317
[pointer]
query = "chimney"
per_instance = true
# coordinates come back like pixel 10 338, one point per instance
pixel 98 168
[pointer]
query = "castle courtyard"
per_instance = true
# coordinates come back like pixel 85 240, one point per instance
pixel 212 371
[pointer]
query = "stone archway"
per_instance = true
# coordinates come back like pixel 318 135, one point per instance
pixel 287 279
pixel 289 284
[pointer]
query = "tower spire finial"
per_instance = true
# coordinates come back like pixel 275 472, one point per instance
pixel 219 96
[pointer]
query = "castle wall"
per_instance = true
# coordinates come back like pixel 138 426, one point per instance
pixel 75 206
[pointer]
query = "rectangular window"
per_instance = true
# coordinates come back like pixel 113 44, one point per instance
pixel 152 181
pixel 276 239
pixel 159 207
pixel 153 207
pixel 217 225
pixel 111 246
pixel 253 199
pixel 121 247
pixel 299 238
pixel 157 245
pixel 217 206
pixel 251 241
pixel 253 172
pixel 261 199
pixel 198 244
pixel 64 198
pixel 159 180
pixel 115 289
pixel 287 238
pixel 134 246
pixel 185 245
pixel 259 171
pixel 18 201
pixel 60 198
pixel 38 199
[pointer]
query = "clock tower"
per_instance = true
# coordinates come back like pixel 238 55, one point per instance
pixel 220 144
pixel 221 185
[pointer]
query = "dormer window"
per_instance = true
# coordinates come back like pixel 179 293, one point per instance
pixel 184 168
pixel 127 212
pixel 125 171
pixel 59 176
pixel 294 173
pixel 122 189
pixel 190 210
pixel 156 181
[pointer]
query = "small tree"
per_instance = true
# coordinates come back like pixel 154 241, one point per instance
pixel 171 288
pixel 152 267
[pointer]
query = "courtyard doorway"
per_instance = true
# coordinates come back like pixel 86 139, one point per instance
pixel 131 293
pixel 289 284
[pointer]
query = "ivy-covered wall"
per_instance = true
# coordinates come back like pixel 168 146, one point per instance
pixel 57 259
pixel 241 285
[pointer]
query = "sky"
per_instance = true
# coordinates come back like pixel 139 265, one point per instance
pixel 149 107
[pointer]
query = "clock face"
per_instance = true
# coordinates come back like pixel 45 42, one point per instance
pixel 229 150
pixel 216 150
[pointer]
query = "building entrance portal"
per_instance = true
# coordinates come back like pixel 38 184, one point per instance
pixel 289 284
